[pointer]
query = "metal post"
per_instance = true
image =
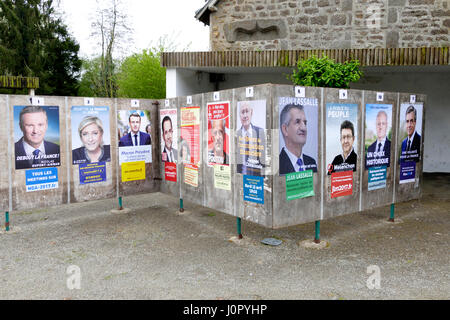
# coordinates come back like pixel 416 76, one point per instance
pixel 181 205
pixel 239 228
pixel 391 218
pixel 317 235
pixel 120 203
pixel 7 221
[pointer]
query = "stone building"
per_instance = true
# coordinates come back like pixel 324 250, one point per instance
pixel 403 45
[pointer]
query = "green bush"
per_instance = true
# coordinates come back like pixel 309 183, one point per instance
pixel 324 72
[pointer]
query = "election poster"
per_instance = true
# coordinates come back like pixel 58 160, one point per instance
pixel 191 175
pixel 341 184
pixel 253 189
pixel 341 137
pixel 190 135
pixel 91 139
pixel 378 135
pixel 36 136
pixel 41 179
pixel 92 172
pixel 134 135
pixel 251 137
pixel 133 171
pixel 169 134
pixel 222 177
pixel 218 133
pixel 298 134
pixel 170 171
pixel 299 185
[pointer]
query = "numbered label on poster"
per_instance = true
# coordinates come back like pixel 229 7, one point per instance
pixel 135 103
pixel 167 103
pixel 37 101
pixel 189 100
pixel 88 101
pixel 343 94
pixel 216 96
pixel 299 92
pixel 412 98
pixel 249 92
pixel 380 96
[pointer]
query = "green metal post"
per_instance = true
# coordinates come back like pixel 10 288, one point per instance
pixel 239 231
pixel 391 218
pixel 181 205
pixel 7 221
pixel 317 236
pixel 120 203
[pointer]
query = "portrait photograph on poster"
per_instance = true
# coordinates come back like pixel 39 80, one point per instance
pixel 36 136
pixel 250 132
pixel 218 133
pixel 378 135
pixel 341 137
pixel 134 135
pixel 91 139
pixel 298 134
pixel 169 134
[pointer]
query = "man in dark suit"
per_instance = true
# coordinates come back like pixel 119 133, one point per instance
pixel 168 153
pixel 411 144
pixel 251 143
pixel 379 152
pixel 32 151
pixel 135 137
pixel 293 125
pixel 348 159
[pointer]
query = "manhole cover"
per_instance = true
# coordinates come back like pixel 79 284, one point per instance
pixel 272 242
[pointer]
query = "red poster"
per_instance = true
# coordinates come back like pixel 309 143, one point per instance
pixel 171 171
pixel 218 133
pixel 189 147
pixel 341 184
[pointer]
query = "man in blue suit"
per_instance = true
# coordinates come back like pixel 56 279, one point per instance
pixel 411 144
pixel 135 137
pixel 32 151
pixel 379 152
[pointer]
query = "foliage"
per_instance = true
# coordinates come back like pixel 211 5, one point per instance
pixel 34 42
pixel 324 72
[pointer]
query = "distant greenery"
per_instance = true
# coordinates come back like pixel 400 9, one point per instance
pixel 324 72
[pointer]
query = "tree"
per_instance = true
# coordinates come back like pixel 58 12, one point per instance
pixel 35 42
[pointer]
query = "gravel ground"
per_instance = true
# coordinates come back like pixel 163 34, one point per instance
pixel 154 252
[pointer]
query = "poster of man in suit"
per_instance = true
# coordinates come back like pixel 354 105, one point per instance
pixel 410 131
pixel 298 134
pixel 378 135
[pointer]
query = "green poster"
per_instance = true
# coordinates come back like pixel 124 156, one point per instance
pixel 299 185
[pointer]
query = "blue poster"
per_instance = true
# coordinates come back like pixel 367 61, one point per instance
pixel 254 189
pixel 407 172
pixel 92 172
pixel 377 178
pixel 41 179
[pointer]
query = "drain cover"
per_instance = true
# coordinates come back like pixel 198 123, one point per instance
pixel 272 241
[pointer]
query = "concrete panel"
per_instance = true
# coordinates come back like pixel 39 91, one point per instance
pixel 286 213
pixel 4 158
pixel 385 196
pixel 21 199
pixel 187 191
pixel 410 191
pixel 152 170
pixel 333 207
pixel 255 212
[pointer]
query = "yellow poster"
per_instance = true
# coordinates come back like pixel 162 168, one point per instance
pixel 132 171
pixel 191 175
pixel 222 177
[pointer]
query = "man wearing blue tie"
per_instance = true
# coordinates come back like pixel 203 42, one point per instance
pixel 293 125
pixel 135 137
pixel 411 144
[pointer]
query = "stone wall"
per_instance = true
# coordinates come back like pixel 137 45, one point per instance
pixel 329 24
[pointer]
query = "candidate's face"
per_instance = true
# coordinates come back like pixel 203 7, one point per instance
pixel 91 136
pixel 296 131
pixel 217 131
pixel 347 140
pixel 167 134
pixel 381 126
pixel 410 123
pixel 246 115
pixel 34 128
pixel 135 124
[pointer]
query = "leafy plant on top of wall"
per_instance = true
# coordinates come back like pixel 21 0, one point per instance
pixel 324 72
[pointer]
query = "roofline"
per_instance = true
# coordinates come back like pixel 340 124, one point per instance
pixel 289 58
pixel 203 13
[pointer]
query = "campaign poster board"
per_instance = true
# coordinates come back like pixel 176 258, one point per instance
pixel 190 135
pixel 91 138
pixel 251 137
pixel 298 134
pixel 36 136
pixel 218 133
pixel 169 133
pixel 378 135
pixel 134 136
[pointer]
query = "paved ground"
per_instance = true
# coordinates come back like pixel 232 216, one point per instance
pixel 153 252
